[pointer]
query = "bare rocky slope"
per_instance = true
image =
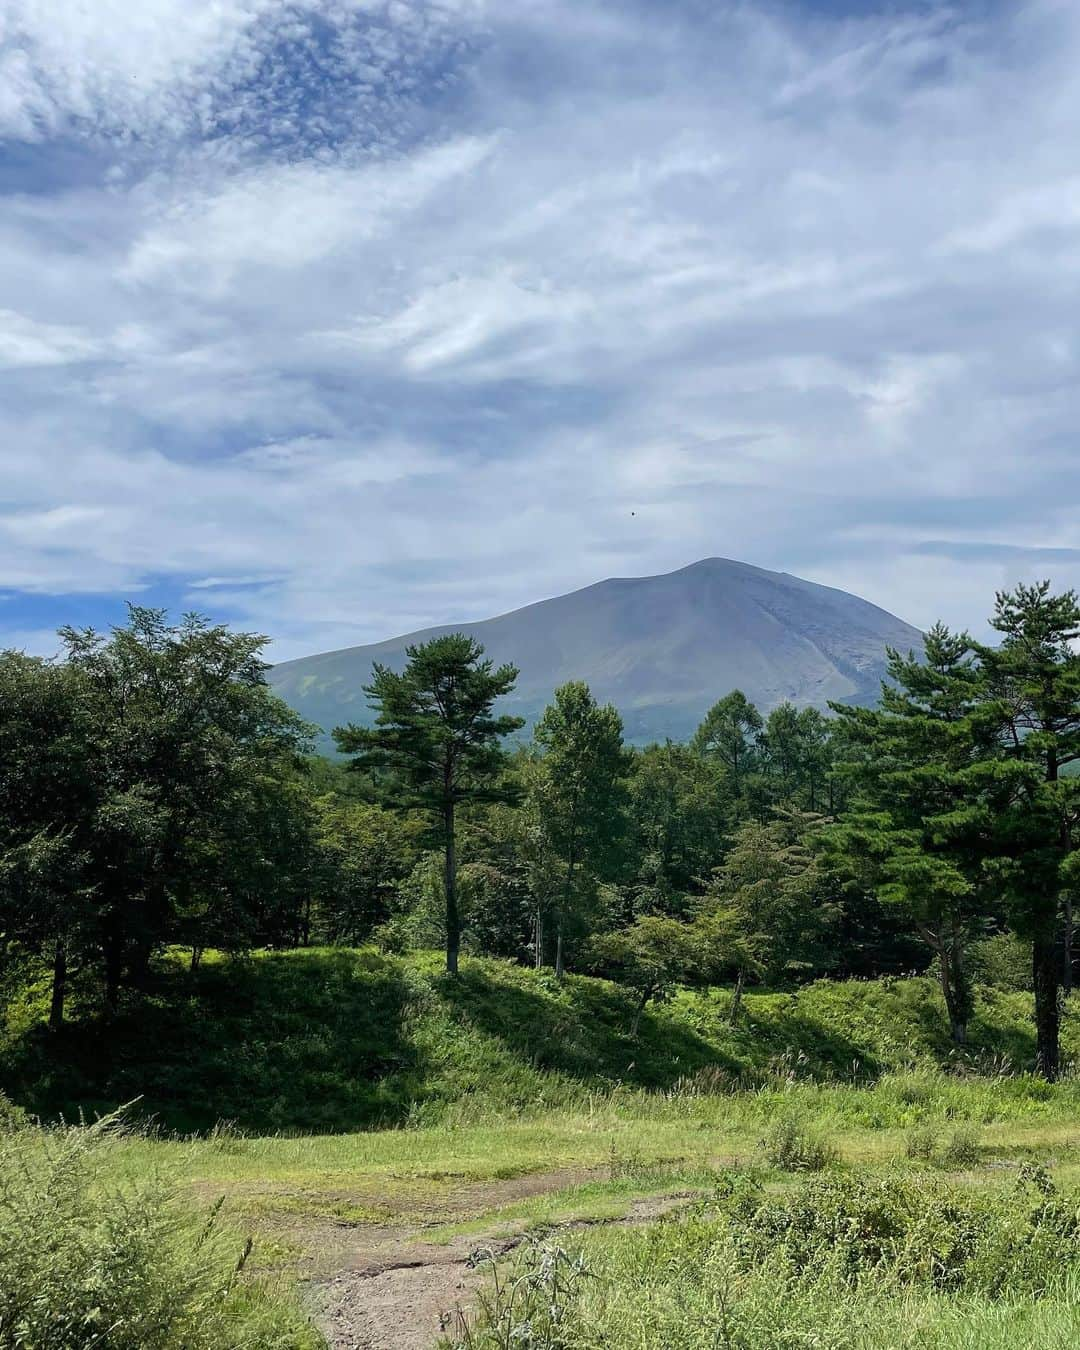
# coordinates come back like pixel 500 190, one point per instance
pixel 662 649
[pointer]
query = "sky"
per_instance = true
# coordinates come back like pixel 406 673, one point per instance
pixel 337 318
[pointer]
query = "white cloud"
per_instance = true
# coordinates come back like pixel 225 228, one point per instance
pixel 354 316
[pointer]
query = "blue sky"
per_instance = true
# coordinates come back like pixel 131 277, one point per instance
pixel 336 318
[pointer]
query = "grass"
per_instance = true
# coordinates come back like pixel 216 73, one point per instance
pixel 92 1255
pixel 306 1099
pixel 333 1040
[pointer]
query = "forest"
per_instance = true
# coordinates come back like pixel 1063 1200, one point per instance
pixel 155 794
pixel 757 1013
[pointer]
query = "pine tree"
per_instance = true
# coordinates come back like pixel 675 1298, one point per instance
pixel 920 827
pixel 1033 708
pixel 436 743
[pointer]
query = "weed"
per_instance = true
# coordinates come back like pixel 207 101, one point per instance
pixel 794 1146
pixel 85 1262
pixel 528 1305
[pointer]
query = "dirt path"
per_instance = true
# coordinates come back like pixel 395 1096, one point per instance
pixel 400 1293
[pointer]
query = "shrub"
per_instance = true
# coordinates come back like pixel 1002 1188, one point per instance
pixel 87 1262
pixel 914 1232
pixel 527 1306
pixel 921 1143
pixel 794 1146
pixel 961 1148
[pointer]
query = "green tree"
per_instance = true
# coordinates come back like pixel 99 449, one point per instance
pixel 436 743
pixel 920 828
pixel 651 958
pixel 186 747
pixel 730 735
pixel 678 827
pixel 1033 707
pixel 46 798
pixel 141 778
pixel 772 903
pixel 579 792
pixel 363 854
pixel 796 750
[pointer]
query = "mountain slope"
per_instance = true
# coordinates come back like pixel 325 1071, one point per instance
pixel 662 649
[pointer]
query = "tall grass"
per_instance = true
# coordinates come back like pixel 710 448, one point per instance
pixel 844 1262
pixel 91 1263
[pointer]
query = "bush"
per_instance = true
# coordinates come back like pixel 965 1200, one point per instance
pixel 86 1262
pixel 845 1262
pixel 922 1143
pixel 962 1148
pixel 793 1146
pixel 920 1233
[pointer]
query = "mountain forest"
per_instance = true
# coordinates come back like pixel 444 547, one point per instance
pixel 229 960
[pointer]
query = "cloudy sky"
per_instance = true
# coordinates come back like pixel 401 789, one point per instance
pixel 334 318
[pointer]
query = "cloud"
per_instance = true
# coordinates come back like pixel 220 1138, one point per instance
pixel 343 317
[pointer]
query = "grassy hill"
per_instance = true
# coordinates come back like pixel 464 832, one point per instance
pixel 334 1040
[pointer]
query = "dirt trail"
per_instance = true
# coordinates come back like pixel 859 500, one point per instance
pixel 398 1292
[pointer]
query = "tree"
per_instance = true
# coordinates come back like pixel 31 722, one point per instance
pixel 142 778
pixel 363 854
pixel 1033 708
pixel 579 793
pixel 652 958
pixel 45 800
pixel 186 748
pixel 678 822
pixel 920 827
pixel 772 905
pixel 796 750
pixel 43 896
pixel 730 735
pixel 436 743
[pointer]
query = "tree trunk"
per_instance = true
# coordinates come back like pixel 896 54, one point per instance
pixel 953 991
pixel 59 986
pixel 646 994
pixel 568 890
pixel 1046 971
pixel 1070 932
pixel 196 958
pixel 539 938
pixel 736 1000
pixel 453 919
pixel 114 963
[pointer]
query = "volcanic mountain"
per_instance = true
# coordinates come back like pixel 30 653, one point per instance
pixel 662 649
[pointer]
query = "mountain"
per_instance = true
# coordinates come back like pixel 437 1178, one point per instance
pixel 662 649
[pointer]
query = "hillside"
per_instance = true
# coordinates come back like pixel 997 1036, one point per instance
pixel 328 1040
pixel 662 649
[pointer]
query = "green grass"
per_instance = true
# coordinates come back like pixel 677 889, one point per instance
pixel 364 1092
pixel 325 1040
pixel 96 1252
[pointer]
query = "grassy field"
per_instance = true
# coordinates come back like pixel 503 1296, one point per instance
pixel 827 1175
pixel 339 1040
pixel 974 1156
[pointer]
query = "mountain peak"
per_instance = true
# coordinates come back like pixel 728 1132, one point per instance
pixel 663 648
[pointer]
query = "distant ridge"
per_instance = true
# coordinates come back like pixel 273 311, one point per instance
pixel 663 649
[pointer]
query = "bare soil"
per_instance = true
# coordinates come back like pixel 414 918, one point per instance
pixel 398 1292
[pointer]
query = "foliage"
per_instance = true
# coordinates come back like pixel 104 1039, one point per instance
pixel 577 791
pixel 145 796
pixel 794 1145
pixel 862 1262
pixel 527 1305
pixel 331 1039
pixel 86 1262
pixel 652 957
pixel 437 741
